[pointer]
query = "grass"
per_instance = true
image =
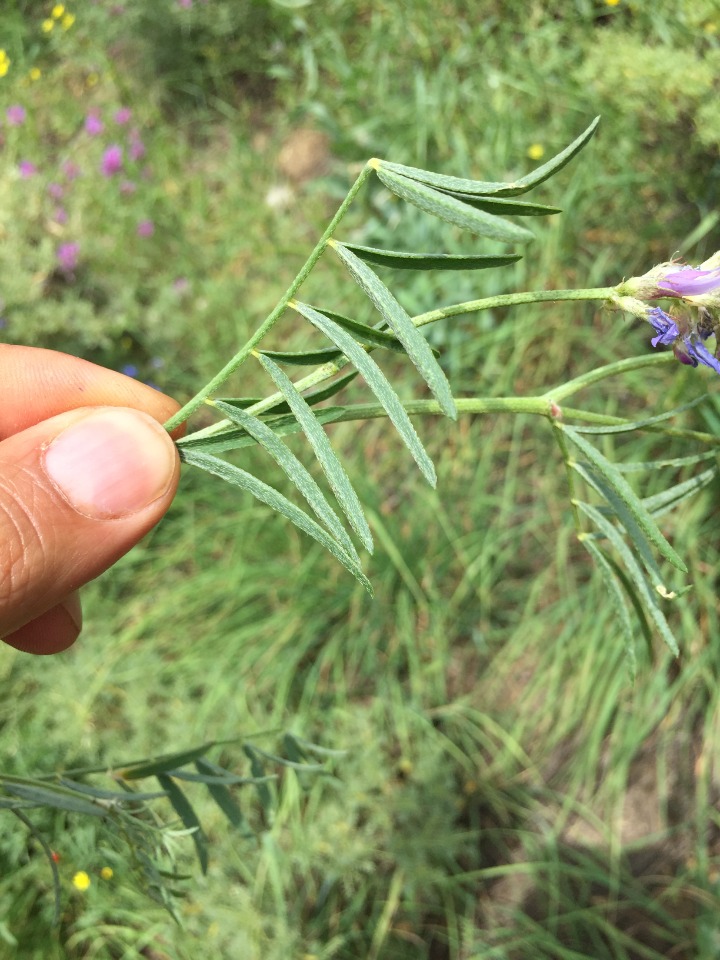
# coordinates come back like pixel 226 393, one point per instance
pixel 506 790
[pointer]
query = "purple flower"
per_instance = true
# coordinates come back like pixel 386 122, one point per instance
pixel 27 169
pixel 130 370
pixel 93 124
pixel 67 256
pixel 60 215
pixel 687 347
pixel 71 170
pixel 146 228
pixel 56 190
pixel 15 115
pixel 123 115
pixel 112 161
pixel 689 282
pixel 137 147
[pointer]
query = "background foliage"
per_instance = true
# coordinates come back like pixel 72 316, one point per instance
pixel 506 790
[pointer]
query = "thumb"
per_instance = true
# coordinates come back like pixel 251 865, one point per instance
pixel 77 491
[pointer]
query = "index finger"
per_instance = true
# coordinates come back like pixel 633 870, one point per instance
pixel 36 384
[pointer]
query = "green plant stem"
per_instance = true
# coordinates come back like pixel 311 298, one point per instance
pixel 232 365
pixel 328 370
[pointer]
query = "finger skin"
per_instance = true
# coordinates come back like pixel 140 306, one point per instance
pixel 38 384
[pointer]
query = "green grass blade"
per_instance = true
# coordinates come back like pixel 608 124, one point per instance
pixel 184 809
pixel 303 358
pixel 490 188
pixel 402 260
pixel 293 468
pixel 624 491
pixel 276 501
pixel 617 598
pixel 378 383
pixel 648 596
pixel 327 458
pixel 446 207
pixel 404 329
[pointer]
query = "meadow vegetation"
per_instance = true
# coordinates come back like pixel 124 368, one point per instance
pixel 496 785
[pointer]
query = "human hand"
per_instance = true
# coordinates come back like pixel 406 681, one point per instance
pixel 86 470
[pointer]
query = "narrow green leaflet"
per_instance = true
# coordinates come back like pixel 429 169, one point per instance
pixel 625 492
pixel 293 468
pixel 276 501
pixel 59 798
pixel 405 330
pixel 234 438
pixel 332 468
pixel 367 335
pixel 647 594
pixel 661 503
pixel 485 188
pixel 446 207
pixel 616 595
pixel 182 806
pixel 632 425
pixel 378 383
pixel 223 797
pixel 513 208
pixel 402 260
pixel 637 466
pixel 303 358
pixel 149 768
pixel 124 796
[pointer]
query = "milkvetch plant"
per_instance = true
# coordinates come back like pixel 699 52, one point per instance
pixel 617 526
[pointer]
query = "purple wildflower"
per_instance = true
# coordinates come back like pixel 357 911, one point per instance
pixel 146 228
pixel 112 160
pixel 689 282
pixel 687 347
pixel 137 147
pixel 93 124
pixel 130 370
pixel 71 170
pixel 15 115
pixel 56 190
pixel 123 116
pixel 27 169
pixel 60 215
pixel 67 256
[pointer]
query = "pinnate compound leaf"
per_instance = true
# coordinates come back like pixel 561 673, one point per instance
pixel 624 491
pixel 378 383
pixel 276 501
pixel 404 329
pixel 648 596
pixel 403 260
pixel 184 809
pixel 331 466
pixel 484 188
pixel 446 207
pixel 292 467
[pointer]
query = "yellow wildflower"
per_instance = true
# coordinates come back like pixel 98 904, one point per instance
pixel 68 20
pixel 91 80
pixel 611 3
pixel 35 73
pixel 81 881
pixel 58 10
pixel 5 62
pixel 106 873
pixel 536 151
pixel 47 25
